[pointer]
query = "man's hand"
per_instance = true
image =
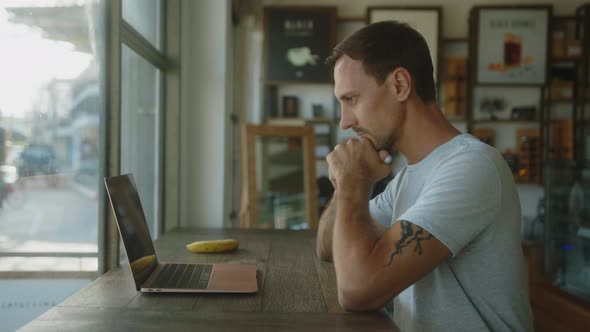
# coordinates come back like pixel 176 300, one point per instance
pixel 357 162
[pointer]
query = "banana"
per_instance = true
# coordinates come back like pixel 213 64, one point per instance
pixel 142 263
pixel 213 246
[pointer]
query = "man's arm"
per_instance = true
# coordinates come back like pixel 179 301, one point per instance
pixel 372 268
pixel 326 231
pixel 325 234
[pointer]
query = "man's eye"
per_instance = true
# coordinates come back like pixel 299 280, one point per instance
pixel 351 100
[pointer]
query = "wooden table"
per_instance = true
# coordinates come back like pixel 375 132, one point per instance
pixel 296 291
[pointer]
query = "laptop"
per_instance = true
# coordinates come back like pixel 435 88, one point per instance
pixel 151 275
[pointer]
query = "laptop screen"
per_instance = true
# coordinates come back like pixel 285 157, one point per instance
pixel 132 225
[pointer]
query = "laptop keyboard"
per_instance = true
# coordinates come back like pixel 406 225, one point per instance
pixel 183 276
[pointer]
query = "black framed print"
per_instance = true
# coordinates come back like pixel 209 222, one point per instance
pixel 512 44
pixel 297 42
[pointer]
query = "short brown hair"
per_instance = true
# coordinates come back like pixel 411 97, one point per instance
pixel 385 46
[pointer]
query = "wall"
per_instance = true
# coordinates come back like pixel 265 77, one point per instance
pixel 205 105
pixel 26 299
pixel 455 12
pixel 210 180
pixel 455 24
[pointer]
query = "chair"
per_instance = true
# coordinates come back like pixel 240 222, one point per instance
pixel 279 177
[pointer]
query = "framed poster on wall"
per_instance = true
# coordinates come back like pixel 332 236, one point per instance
pixel 426 20
pixel 512 44
pixel 297 42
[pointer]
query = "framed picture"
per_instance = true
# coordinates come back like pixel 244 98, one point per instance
pixel 290 106
pixel 512 44
pixel 297 42
pixel 426 20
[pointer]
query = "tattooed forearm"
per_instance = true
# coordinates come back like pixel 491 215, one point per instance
pixel 409 236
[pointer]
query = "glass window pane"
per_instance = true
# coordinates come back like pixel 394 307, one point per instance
pixel 49 148
pixel 280 183
pixel 140 94
pixel 49 124
pixel 567 227
pixel 145 16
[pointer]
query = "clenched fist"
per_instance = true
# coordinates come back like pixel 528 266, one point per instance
pixel 356 162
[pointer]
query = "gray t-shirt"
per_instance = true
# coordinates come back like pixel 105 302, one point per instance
pixel 463 193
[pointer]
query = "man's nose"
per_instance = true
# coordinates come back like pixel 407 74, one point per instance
pixel 347 120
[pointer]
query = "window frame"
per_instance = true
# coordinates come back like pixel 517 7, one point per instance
pixel 116 32
pixel 119 32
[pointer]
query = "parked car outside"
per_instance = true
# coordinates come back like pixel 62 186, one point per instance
pixel 37 159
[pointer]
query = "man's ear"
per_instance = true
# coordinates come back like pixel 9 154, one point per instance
pixel 400 83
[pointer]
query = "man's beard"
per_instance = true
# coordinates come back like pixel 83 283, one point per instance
pixel 390 143
pixel 387 144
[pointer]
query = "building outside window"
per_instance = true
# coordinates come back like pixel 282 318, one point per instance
pixel 52 139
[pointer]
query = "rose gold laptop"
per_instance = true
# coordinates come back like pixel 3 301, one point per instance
pixel 149 274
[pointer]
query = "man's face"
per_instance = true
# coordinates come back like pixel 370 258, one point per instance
pixel 370 109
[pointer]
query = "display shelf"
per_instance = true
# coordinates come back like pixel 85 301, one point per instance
pixel 504 121
pixel 451 39
pixel 576 59
pixel 562 100
pixel 456 118
pixel 279 83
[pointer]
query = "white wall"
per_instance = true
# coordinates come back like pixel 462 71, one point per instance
pixel 205 101
pixel 455 24
pixel 207 94
pixel 455 12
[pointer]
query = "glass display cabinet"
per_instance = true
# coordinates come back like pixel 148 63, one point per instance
pixel 567 229
pixel 279 184
pixel 567 159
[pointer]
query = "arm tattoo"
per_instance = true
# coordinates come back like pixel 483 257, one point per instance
pixel 409 236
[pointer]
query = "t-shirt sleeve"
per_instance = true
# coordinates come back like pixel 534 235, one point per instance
pixel 460 199
pixel 381 207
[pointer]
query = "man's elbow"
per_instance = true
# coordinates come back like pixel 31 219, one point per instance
pixel 323 253
pixel 364 293
pixel 358 301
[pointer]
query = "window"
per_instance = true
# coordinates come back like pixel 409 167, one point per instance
pixel 142 83
pixel 59 78
pixel 145 17
pixel 50 153
pixel 140 118
pixel 49 136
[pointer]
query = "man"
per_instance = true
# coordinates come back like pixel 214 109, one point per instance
pixel 443 239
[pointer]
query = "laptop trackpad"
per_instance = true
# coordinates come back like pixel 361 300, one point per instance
pixel 233 278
